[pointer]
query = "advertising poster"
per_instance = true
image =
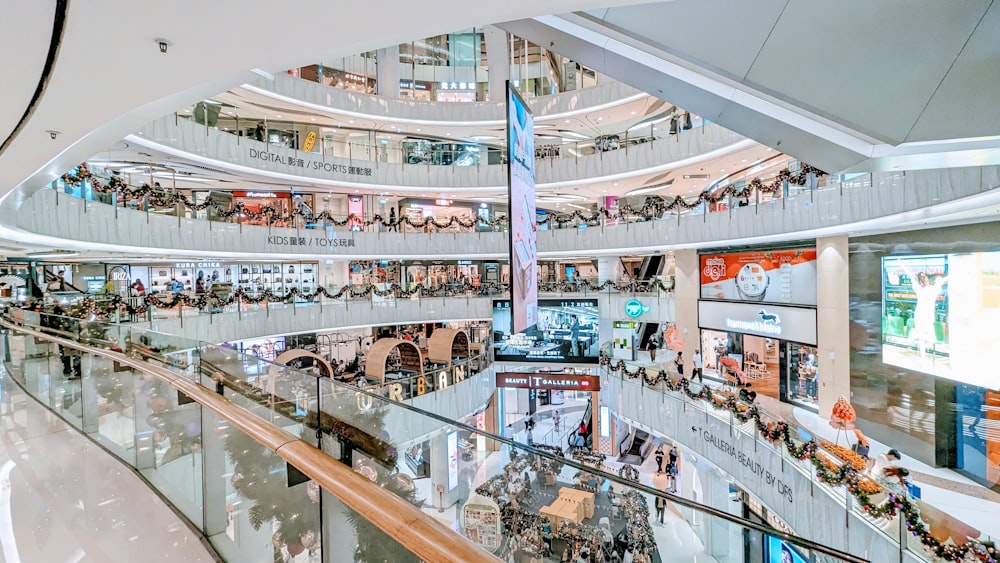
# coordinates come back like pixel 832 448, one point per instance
pixel 940 313
pixel 767 276
pixel 565 331
pixel 452 461
pixel 523 226
pixel 481 522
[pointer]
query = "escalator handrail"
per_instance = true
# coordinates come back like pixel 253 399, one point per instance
pixel 423 535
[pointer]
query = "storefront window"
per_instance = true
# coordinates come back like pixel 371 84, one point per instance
pixel 802 384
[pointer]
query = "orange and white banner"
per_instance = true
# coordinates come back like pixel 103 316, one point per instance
pixel 769 276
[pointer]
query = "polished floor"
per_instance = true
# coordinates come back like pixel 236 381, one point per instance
pixel 64 499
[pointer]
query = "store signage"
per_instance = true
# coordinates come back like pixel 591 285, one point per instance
pixel 322 242
pixel 309 163
pixel 309 142
pixel 410 85
pixel 634 309
pixel 604 422
pixel 795 324
pixel 552 382
pixel 194 265
pixel 118 273
pixel 751 470
pixel 452 460
pixel 481 522
pixel 457 86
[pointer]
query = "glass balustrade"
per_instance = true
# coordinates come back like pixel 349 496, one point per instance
pixel 520 501
pixel 836 471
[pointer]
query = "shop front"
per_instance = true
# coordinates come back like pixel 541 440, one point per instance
pixel 770 348
pixel 443 210
pixel 757 315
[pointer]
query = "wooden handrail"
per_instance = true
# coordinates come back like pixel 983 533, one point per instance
pixel 422 534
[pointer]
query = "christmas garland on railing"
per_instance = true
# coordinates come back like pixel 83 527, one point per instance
pixel 140 305
pixel 653 209
pixel 835 474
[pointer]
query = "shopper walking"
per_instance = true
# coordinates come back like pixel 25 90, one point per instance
pixel 651 346
pixel 698 365
pixel 555 420
pixel 679 363
pixel 661 508
pixel 393 226
pixel 659 458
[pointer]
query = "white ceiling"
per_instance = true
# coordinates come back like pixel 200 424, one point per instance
pixel 836 83
pixel 25 41
pixel 110 77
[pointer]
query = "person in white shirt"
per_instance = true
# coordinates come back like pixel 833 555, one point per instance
pixel 884 461
pixel 698 364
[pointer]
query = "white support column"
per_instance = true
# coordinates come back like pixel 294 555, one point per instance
pixel 833 332
pixel 498 55
pixel 387 77
pixel 686 292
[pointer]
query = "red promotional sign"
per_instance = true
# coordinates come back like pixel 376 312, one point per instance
pixel 550 381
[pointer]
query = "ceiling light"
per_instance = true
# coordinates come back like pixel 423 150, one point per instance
pixel 312 119
pixel 744 160
pixel 278 116
pixel 641 191
pixel 600 118
pixel 567 121
pixel 632 113
pixel 352 121
pixel 449 134
pixel 52 254
pixel 418 130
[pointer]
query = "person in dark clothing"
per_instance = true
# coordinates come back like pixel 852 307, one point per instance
pixel 258 132
pixel 659 458
pixel 392 220
pixel 661 508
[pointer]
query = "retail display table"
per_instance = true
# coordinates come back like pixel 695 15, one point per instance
pixel 562 510
pixel 584 498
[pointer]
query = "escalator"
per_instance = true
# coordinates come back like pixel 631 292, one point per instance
pixel 652 266
pixel 635 447
pixel 50 277
pixel 585 440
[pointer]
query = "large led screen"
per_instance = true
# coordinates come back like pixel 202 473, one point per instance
pixel 941 313
pixel 780 552
pixel 769 276
pixel 523 227
pixel 566 331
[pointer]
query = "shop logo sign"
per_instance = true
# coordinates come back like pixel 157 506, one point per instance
pixel 771 318
pixel 715 268
pixel 634 309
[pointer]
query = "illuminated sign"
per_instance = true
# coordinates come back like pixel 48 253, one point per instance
pixel 193 265
pixel 553 382
pixel 604 422
pixel 452 461
pixel 634 309
pixel 797 324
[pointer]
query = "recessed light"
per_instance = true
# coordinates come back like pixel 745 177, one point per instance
pixel 633 113
pixel 352 121
pixel 600 118
pixel 278 116
pixel 418 130
pixel 744 160
pixel 449 134
pixel 312 119
pixel 567 121
pixel 722 170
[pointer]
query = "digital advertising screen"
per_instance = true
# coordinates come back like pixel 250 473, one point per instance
pixel 567 331
pixel 940 313
pixel 768 276
pixel 523 226
pixel 780 552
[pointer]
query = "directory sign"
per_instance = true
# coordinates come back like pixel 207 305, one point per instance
pixel 523 226
pixel 940 314
pixel 767 276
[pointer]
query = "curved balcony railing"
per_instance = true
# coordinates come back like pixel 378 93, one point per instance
pixel 367 431
pixel 834 202
pixel 253 482
pixel 893 515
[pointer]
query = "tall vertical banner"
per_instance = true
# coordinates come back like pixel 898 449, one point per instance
pixel 523 226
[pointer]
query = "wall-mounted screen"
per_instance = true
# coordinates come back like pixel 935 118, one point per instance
pixel 567 331
pixel 940 313
pixel 523 226
pixel 769 276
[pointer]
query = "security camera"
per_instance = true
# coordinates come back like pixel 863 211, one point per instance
pixel 52 134
pixel 163 44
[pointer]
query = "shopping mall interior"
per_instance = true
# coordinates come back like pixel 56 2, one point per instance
pixel 575 281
